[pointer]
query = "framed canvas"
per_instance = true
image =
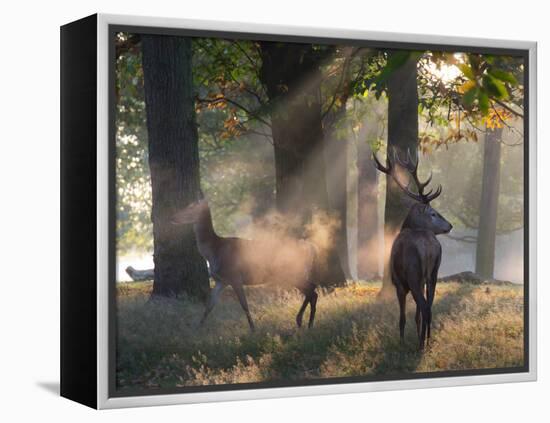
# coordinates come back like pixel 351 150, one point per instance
pixel 254 211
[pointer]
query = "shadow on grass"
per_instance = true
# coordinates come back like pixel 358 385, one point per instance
pixel 159 342
pixel 404 358
pixel 342 333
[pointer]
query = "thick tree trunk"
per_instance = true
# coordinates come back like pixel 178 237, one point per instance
pixel 402 136
pixel 488 207
pixel 174 164
pixel 291 76
pixel 336 158
pixel 368 247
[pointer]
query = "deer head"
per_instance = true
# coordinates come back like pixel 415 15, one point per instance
pixel 421 215
pixel 193 212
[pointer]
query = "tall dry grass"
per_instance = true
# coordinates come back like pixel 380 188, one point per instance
pixel 160 345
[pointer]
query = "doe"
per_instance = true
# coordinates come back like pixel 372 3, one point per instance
pixel 237 262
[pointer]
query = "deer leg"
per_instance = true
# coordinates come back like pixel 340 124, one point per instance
pixel 431 295
pixel 402 298
pixel 425 314
pixel 300 314
pixel 239 290
pixel 432 283
pixel 417 318
pixel 313 308
pixel 212 300
pixel 428 325
pixel 310 298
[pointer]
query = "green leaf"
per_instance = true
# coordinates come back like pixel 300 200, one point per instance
pixel 495 87
pixel 467 71
pixel 395 61
pixel 416 54
pixel 470 96
pixel 398 59
pixel 503 76
pixel 483 100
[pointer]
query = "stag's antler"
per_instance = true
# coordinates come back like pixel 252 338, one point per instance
pixel 411 166
pixel 389 170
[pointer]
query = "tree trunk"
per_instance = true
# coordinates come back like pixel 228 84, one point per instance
pixel 290 73
pixel 336 158
pixel 174 164
pixel 368 247
pixel 402 136
pixel 488 207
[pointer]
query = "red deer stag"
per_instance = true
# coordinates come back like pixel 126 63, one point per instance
pixel 238 262
pixel 416 252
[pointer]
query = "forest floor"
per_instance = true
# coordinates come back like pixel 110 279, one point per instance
pixel 160 346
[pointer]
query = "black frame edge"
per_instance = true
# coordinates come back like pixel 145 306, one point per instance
pixel 78 180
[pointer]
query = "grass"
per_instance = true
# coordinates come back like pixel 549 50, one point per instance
pixel 160 346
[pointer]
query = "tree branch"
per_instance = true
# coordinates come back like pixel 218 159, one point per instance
pixel 511 128
pixel 337 92
pixel 236 104
pixel 267 137
pixel 504 105
pixel 243 51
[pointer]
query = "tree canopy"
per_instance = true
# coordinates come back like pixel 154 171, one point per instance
pixel 460 95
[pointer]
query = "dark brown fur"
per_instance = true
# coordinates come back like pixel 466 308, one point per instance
pixel 416 252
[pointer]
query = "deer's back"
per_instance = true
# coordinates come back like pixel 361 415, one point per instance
pixel 285 262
